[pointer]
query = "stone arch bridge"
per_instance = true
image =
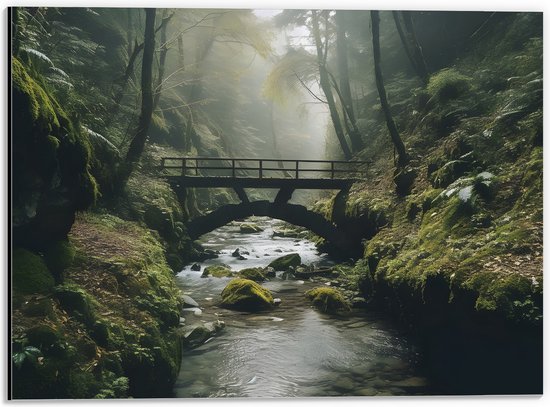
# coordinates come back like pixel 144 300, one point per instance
pixel 284 175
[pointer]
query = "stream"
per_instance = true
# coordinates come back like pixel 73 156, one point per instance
pixel 293 350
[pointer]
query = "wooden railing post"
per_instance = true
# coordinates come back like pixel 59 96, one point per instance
pixel 183 167
pixel 297 164
pixel 233 168
pixel 196 167
pixel 260 167
pixel 162 163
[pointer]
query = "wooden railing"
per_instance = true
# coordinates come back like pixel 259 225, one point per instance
pixel 262 168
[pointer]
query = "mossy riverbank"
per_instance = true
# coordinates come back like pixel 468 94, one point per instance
pixel 110 329
pixel 456 254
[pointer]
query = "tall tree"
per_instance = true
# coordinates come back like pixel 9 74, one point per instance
pixel 405 28
pixel 344 90
pixel 137 144
pixel 162 57
pixel 403 157
pixel 324 82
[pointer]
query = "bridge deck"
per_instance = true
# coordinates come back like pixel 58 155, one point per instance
pixel 206 172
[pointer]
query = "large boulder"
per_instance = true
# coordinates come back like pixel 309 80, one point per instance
pixel 246 295
pixel 286 262
pixel 328 300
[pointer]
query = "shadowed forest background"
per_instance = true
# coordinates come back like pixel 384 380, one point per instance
pixel 446 222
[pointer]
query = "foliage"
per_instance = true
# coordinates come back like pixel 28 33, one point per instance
pixel 296 68
pixel 28 354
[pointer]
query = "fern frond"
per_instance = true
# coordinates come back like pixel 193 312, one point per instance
pixel 40 56
pixel 59 72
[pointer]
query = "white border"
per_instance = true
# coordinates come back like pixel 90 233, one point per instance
pixel 463 5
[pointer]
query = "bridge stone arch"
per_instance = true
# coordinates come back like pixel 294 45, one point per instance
pixel 340 243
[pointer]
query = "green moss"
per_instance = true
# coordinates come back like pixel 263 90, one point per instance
pixel 253 273
pixel 448 84
pixel 284 263
pixel 30 274
pixel 217 271
pixel 59 256
pixel 51 162
pixel 513 296
pixel 246 295
pixel 40 105
pixel 327 299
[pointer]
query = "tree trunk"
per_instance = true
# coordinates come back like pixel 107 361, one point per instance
pixel 138 143
pixel 162 58
pixel 410 43
pixel 345 88
pixel 403 157
pixel 416 48
pixel 324 82
pixel 404 40
pixel 117 99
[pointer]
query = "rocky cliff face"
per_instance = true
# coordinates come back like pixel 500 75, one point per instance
pixel 51 179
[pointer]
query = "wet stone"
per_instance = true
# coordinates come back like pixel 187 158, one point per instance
pixel 188 302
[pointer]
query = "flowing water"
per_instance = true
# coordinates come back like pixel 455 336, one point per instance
pixel 293 350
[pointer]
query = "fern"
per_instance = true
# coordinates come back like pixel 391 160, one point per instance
pixel 37 56
pixel 59 72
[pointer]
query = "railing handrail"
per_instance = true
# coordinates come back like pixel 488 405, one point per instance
pixel 268 160
pixel 234 165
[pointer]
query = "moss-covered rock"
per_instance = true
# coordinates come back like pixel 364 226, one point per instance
pixel 254 273
pixel 247 295
pixel 284 263
pixel 30 274
pixel 328 299
pixel 219 270
pixel 249 228
pixel 58 257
